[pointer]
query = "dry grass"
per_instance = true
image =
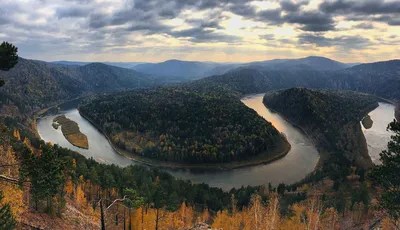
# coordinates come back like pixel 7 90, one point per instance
pixel 71 132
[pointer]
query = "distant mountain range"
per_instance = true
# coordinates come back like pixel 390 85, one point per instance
pixel 380 79
pixel 308 63
pixel 32 84
pixel 127 65
pixel 178 70
pixel 192 70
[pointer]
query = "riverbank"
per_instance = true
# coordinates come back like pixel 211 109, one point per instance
pixel 36 115
pixel 264 158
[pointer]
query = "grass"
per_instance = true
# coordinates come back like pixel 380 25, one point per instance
pixel 71 132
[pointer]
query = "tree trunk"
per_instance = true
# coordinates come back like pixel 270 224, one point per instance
pixel 157 219
pixel 142 217
pixel 103 225
pixel 130 219
pixel 124 220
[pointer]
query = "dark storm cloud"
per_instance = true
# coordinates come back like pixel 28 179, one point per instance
pixel 73 12
pixel 154 11
pixel 150 28
pixel 271 17
pixel 390 20
pixel 203 35
pixel 212 24
pixel 364 25
pixel 311 21
pixel 376 10
pixel 98 20
pixel 344 42
pixel 246 10
pixel 366 7
pixel 291 6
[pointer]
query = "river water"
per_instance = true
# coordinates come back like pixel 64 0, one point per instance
pixel 300 161
pixel 377 136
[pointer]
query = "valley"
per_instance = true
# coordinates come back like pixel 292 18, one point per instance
pixel 199 115
pixel 202 142
pixel 295 165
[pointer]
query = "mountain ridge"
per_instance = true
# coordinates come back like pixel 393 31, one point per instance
pixel 32 85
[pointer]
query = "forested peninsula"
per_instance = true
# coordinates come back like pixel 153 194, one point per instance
pixel 175 124
pixel 330 118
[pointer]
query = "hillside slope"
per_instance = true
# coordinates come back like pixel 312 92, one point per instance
pixel 247 81
pixel 381 79
pixel 32 85
pixel 308 63
pixel 331 118
pixel 175 68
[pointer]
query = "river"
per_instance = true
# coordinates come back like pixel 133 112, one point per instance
pixel 377 136
pixel 300 161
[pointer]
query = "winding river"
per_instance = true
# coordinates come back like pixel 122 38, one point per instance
pixel 300 161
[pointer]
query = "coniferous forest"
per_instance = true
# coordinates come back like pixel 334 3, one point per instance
pixel 175 124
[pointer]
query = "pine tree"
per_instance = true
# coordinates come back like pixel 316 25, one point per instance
pixel 8 58
pixel 387 175
pixel 132 202
pixel 46 174
pixel 7 220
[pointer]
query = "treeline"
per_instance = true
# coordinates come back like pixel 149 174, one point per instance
pixel 49 172
pixel 183 125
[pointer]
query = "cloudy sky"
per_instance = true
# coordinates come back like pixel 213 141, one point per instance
pixel 204 30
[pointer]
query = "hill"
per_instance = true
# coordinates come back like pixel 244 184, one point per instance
pixel 187 70
pixel 185 126
pixel 127 65
pixel 381 79
pixel 32 85
pixel 307 63
pixel 331 118
pixel 247 81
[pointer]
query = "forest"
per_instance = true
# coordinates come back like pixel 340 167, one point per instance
pixel 181 125
pixel 331 118
pixel 55 179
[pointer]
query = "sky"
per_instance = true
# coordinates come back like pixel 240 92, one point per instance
pixel 202 30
